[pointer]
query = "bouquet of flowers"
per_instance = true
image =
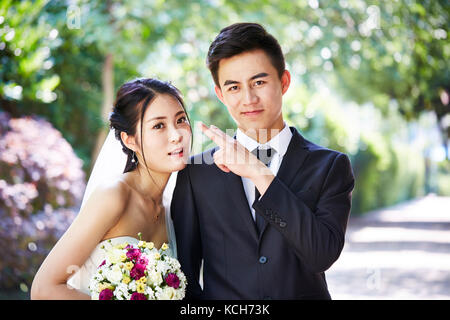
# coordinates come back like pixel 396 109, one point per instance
pixel 141 272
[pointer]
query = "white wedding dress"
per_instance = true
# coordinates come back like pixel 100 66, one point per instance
pixel 80 280
pixel 82 276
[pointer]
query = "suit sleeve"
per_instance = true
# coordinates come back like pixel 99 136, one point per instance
pixel 316 235
pixel 187 233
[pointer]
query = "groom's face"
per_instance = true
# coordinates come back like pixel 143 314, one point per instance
pixel 252 90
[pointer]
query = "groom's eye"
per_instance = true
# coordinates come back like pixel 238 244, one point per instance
pixel 233 88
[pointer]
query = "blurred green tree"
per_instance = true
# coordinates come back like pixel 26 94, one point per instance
pixel 392 54
pixel 63 60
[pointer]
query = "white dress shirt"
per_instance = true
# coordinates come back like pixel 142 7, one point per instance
pixel 278 143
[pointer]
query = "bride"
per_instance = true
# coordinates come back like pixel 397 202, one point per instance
pixel 150 121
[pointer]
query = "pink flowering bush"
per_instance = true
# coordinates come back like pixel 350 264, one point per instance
pixel 41 186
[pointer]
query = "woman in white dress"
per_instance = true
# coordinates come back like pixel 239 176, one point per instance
pixel 150 122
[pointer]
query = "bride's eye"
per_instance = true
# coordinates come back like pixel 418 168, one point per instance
pixel 182 119
pixel 158 126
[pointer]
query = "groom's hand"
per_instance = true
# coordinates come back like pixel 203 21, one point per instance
pixel 234 157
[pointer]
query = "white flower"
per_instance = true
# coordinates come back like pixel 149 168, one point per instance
pixel 149 291
pixel 114 275
pixel 162 267
pixel 179 294
pixel 168 293
pixel 114 255
pixel 121 292
pixel 132 285
pixel 174 264
pixel 154 277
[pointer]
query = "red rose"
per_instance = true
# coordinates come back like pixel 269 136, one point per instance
pixel 106 294
pixel 138 296
pixel 137 272
pixel 133 254
pixel 172 280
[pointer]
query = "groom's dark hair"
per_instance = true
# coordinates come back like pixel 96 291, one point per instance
pixel 241 37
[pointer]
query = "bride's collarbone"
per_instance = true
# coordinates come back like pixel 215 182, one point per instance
pixel 152 212
pixel 141 215
pixel 136 222
pixel 147 205
pixel 145 216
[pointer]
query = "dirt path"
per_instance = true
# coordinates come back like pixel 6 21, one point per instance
pixel 401 252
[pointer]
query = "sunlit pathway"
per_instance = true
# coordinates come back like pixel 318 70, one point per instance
pixel 401 252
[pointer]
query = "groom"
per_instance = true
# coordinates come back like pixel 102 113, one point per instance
pixel 266 211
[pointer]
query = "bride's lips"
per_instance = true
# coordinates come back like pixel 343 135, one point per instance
pixel 252 112
pixel 177 153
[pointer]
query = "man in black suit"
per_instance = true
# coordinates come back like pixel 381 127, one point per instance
pixel 266 210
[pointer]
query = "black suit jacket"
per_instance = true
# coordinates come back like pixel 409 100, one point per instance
pixel 305 208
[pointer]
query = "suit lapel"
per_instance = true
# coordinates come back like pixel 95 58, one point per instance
pixel 237 195
pixel 236 192
pixel 293 160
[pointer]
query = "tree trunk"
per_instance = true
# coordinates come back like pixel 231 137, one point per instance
pixel 445 134
pixel 108 100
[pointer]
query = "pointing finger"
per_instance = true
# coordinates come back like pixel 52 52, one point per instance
pixel 215 134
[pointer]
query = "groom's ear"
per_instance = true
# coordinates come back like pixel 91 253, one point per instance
pixel 219 93
pixel 285 81
pixel 129 141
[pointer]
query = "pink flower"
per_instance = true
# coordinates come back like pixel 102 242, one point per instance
pixel 104 261
pixel 138 296
pixel 137 272
pixel 133 254
pixel 106 294
pixel 142 260
pixel 172 280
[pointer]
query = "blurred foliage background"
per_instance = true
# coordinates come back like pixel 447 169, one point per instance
pixel 369 78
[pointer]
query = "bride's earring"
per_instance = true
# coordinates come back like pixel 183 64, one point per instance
pixel 134 158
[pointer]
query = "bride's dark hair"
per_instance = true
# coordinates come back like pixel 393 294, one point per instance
pixel 132 100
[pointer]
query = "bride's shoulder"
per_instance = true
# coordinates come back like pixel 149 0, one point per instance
pixel 117 189
pixel 112 195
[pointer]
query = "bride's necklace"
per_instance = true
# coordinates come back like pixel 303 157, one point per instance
pixel 159 209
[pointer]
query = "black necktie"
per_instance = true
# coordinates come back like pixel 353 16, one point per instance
pixel 265 156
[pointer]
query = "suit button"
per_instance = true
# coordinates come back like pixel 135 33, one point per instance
pixel 282 224
pixel 262 259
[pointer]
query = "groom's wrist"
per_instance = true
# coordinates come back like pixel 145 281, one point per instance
pixel 263 179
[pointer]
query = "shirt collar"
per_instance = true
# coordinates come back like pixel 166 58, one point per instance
pixel 279 143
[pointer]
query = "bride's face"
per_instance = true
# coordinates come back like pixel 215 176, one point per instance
pixel 166 135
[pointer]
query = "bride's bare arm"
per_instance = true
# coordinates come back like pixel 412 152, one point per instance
pixel 100 213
